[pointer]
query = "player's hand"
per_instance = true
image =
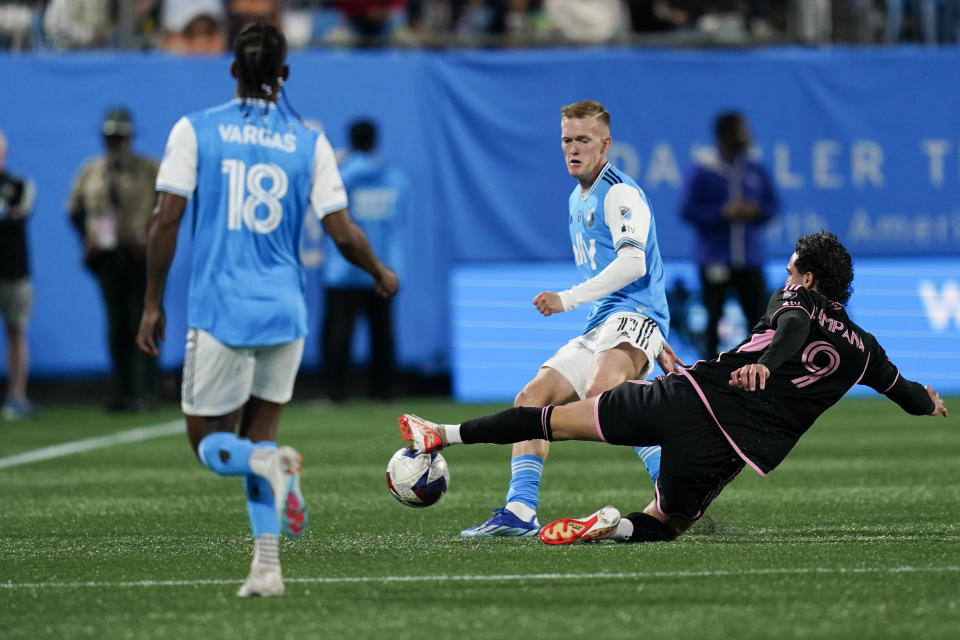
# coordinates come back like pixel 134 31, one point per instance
pixel 668 360
pixel 749 377
pixel 548 303
pixel 387 283
pixel 152 325
pixel 939 409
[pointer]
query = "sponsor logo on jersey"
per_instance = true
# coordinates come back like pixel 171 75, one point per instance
pixel 260 136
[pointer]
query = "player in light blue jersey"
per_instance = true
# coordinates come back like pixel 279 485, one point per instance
pixel 251 171
pixel 615 246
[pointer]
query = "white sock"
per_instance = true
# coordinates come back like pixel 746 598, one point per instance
pixel 521 510
pixel 267 549
pixel 451 433
pixel 623 531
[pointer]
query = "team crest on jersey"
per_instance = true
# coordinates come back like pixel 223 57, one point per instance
pixel 588 219
pixel 625 213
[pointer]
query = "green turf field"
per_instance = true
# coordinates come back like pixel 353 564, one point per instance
pixel 856 535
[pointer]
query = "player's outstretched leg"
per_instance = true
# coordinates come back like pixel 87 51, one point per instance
pixel 423 435
pixel 598 525
pixel 651 460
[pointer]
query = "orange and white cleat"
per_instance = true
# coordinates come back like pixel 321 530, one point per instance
pixel 424 435
pixel 596 526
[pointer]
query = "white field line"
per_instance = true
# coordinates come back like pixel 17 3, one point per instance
pixel 89 444
pixel 640 575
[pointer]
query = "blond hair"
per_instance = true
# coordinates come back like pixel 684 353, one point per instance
pixel 585 109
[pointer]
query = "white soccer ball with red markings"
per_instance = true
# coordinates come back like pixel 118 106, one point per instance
pixel 417 480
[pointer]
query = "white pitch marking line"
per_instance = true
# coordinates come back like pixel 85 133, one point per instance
pixel 503 578
pixel 89 444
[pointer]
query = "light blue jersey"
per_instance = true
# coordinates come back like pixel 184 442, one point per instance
pixel 253 172
pixel 379 195
pixel 615 212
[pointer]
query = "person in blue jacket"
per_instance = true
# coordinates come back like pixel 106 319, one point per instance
pixel 379 197
pixel 729 198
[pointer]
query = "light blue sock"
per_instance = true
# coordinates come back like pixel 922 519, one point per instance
pixel 226 454
pixel 260 502
pixel 651 460
pixel 525 472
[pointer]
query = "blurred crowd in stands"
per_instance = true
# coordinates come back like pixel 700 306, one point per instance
pixel 207 26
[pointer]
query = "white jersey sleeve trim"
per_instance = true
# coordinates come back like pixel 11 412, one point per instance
pixel 326 190
pixel 627 216
pixel 178 169
pixel 629 265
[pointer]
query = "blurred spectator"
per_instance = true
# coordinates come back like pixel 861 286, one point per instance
pixel 587 21
pixel 243 12
pixel 372 20
pixel 377 192
pixel 20 24
pixel 194 26
pixel 79 24
pixel 475 18
pixel 728 199
pixel 110 205
pixel 658 15
pixel 16 292
pixel 929 21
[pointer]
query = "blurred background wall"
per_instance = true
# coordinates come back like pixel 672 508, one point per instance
pixel 863 142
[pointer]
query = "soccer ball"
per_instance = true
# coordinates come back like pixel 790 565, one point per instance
pixel 417 480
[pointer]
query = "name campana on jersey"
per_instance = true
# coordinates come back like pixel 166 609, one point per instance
pixel 830 324
pixel 262 136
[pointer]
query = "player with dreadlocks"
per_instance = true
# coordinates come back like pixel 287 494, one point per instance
pixel 251 173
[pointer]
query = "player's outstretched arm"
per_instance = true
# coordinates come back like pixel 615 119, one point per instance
pixel 916 399
pixel 161 246
pixel 353 245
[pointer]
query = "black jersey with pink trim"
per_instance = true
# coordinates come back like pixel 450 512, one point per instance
pixel 762 426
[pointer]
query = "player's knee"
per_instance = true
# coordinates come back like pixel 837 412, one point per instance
pixel 530 398
pixel 646 528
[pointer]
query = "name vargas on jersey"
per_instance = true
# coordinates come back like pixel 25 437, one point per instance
pixel 261 136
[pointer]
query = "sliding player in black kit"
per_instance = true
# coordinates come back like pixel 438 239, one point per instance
pixel 747 407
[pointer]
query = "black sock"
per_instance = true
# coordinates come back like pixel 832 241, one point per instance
pixel 646 528
pixel 512 425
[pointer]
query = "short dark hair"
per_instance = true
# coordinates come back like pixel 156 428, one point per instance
pixel 260 52
pixel 831 265
pixel 726 123
pixel 363 135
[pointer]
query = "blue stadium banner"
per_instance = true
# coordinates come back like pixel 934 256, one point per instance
pixel 865 143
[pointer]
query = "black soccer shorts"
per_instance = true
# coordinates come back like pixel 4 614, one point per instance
pixel 696 460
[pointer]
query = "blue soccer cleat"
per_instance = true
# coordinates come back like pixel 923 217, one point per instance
pixel 503 523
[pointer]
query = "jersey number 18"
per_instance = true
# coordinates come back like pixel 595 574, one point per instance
pixel 245 194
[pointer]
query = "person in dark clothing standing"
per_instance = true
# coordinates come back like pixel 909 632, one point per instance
pixel 729 198
pixel 110 204
pixel 378 194
pixel 16 292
